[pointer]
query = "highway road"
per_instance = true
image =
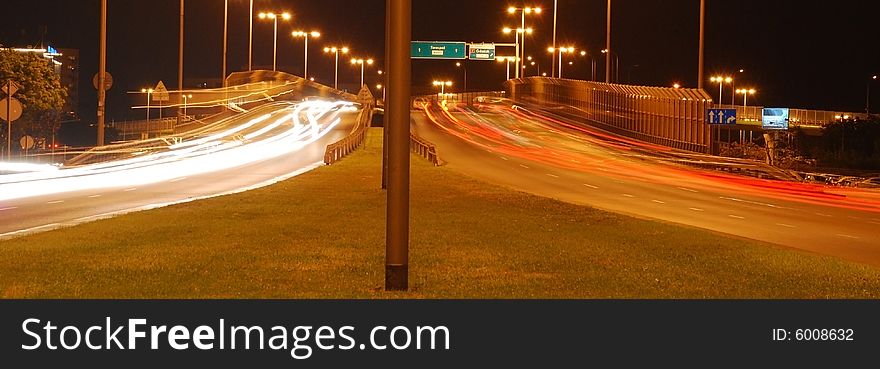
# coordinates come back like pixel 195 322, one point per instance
pixel 540 153
pixel 263 146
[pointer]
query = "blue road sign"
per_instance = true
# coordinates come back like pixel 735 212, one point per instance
pixel 721 116
pixel 439 50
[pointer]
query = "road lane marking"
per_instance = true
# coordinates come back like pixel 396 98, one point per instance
pixel 591 186
pixel 785 225
pixel 503 158
pixel 130 189
pixel 696 209
pixel 688 190
pixel 658 202
pixel 524 166
pixel 848 236
pixel 55 202
pixel 628 195
pixel 823 215
pixel 748 202
pixel 177 180
pixel 552 175
pixel 9 208
pixel 736 216
pixel 855 218
pixel 94 196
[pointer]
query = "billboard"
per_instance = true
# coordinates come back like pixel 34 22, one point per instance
pixel 776 118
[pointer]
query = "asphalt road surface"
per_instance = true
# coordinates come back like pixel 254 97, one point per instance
pixel 249 150
pixel 543 154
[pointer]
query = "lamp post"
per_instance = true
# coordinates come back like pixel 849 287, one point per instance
pixel 251 38
pixel 442 85
pixel 463 66
pixel 336 50
pixel 561 51
pixel 868 95
pixel 746 92
pixel 721 81
pixel 274 17
pixel 555 17
pixel 523 11
pixel 518 32
pixel 185 102
pixel 381 88
pixel 508 60
pixel 607 50
pixel 608 56
pixel 305 36
pixel 363 63
pixel 149 92
pixel 225 37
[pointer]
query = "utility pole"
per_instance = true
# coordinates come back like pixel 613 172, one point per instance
pixel 225 37
pixel 555 12
pixel 180 63
pixel 102 73
pixel 701 70
pixel 399 37
pixel 251 39
pixel 608 47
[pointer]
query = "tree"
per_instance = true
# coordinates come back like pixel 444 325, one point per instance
pixel 41 94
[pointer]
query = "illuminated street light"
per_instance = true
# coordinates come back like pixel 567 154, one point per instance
pixel 521 53
pixel 306 36
pixel 336 50
pixel 746 92
pixel 185 102
pixel 561 51
pixel 616 65
pixel 676 85
pixel 868 95
pixel 464 67
pixel 721 80
pixel 274 17
pixel 363 63
pixel 508 60
pixel 149 92
pixel 442 85
pixel 518 32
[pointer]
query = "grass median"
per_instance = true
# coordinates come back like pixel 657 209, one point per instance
pixel 321 235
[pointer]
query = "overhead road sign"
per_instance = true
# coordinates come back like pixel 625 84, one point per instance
pixel 439 50
pixel 722 116
pixel 482 52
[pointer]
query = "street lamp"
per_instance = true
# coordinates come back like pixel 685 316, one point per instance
pixel 363 63
pixel 746 92
pixel 274 17
pixel 463 66
pixel 336 50
pixel 523 11
pixel 149 92
pixel 442 85
pixel 721 81
pixel 561 51
pixel 616 65
pixel 306 36
pixel 868 95
pixel 185 102
pixel 676 85
pixel 518 32
pixel 508 60
pixel 381 88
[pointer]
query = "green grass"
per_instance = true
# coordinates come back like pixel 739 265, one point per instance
pixel 321 235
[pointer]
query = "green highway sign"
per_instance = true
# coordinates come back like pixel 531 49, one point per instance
pixel 482 52
pixel 439 50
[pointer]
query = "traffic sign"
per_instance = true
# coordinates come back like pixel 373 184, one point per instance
pixel 482 52
pixel 722 116
pixel 439 50
pixel 11 85
pixel 160 93
pixel 108 81
pixel 10 115
pixel 27 143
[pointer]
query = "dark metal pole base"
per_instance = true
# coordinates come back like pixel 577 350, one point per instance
pixel 396 277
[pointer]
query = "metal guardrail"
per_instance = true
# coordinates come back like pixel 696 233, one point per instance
pixel 339 150
pixel 665 116
pixel 424 149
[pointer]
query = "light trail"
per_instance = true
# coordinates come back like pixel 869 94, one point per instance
pixel 285 130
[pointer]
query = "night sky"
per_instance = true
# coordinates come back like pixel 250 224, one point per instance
pixel 808 54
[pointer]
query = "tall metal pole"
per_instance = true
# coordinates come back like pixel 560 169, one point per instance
pixel 522 48
pixel 363 66
pixel 9 120
pixel 399 37
pixel 225 37
pixel 608 46
pixel 517 59
pixel 555 50
pixel 701 67
pixel 306 62
pixel 180 61
pixel 385 117
pixel 102 71
pixel 251 39
pixel 336 79
pixel 275 47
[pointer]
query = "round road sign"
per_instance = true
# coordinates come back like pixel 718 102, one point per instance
pixel 108 81
pixel 27 143
pixel 15 112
